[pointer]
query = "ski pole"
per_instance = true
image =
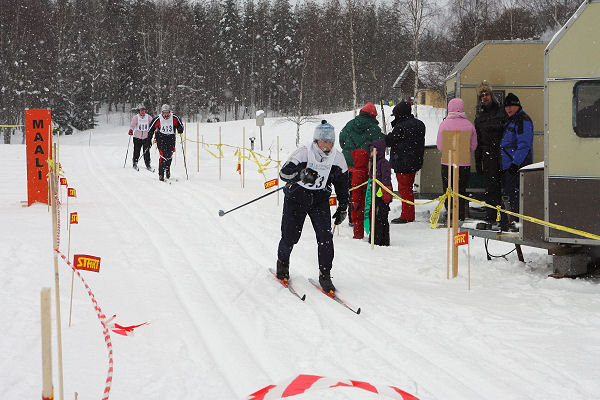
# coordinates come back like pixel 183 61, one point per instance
pixel 221 212
pixel 184 163
pixel 126 154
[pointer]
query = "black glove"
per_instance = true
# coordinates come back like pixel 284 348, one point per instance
pixel 513 169
pixel 340 214
pixel 308 176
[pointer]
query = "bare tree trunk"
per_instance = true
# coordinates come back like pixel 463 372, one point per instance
pixel 351 12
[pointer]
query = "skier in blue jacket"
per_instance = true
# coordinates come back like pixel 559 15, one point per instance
pixel 516 151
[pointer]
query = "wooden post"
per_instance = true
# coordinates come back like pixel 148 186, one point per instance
pixel 374 156
pixel 220 153
pixel 448 216
pixel 72 271
pixel 56 278
pixel 278 161
pixel 455 215
pixel 469 263
pixel 47 389
pixel 198 145
pixel 243 157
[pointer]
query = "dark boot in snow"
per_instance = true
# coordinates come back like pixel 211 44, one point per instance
pixel 325 282
pixel 161 178
pixel 168 173
pixel 283 270
pixel 135 166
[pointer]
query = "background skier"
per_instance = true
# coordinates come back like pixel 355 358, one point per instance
pixel 165 125
pixel 139 129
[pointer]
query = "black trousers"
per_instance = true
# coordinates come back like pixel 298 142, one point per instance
pixel 463 181
pixel 292 221
pixel 382 224
pixel 166 145
pixel 510 192
pixel 492 172
pixel 137 146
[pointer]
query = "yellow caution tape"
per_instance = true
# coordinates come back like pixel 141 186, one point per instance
pixel 436 213
pixel 11 126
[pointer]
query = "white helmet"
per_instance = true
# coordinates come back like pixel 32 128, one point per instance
pixel 165 107
pixel 325 132
pixel 141 107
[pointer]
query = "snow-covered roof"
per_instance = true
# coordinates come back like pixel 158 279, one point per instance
pixel 429 73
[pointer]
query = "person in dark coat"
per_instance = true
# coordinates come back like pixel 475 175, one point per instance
pixel 407 143
pixel 359 176
pixel 516 151
pixel 489 124
pixel 383 198
pixel 309 172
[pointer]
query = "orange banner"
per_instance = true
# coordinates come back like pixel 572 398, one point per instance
pixel 73 218
pixel 332 201
pixel 63 181
pixel 461 239
pixel 71 192
pixel 86 263
pixel 271 183
pixel 39 144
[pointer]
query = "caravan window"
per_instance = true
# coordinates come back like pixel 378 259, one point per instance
pixel 586 108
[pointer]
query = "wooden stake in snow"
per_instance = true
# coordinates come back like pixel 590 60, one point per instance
pixel 56 277
pixel 47 389
pixel 198 145
pixel 220 153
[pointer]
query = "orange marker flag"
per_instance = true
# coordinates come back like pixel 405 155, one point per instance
pixel 73 219
pixel 63 181
pixel 71 192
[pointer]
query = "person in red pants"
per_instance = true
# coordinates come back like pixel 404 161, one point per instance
pixel 407 145
pixel 360 175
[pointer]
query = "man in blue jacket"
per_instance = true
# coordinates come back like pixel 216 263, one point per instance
pixel 516 150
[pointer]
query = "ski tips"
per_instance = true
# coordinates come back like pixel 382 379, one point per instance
pixel 221 213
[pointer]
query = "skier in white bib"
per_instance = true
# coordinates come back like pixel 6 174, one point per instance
pixel 139 130
pixel 309 172
pixel 165 125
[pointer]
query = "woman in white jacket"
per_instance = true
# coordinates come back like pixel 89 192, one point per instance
pixel 139 129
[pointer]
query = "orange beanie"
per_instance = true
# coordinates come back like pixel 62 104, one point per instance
pixel 370 108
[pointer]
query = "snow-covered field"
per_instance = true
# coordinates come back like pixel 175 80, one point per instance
pixel 221 327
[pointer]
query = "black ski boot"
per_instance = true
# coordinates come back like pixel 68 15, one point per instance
pixel 325 282
pixel 168 172
pixel 161 178
pixel 283 270
pixel 135 166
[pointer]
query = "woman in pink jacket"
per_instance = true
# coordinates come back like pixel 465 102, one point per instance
pixel 139 129
pixel 457 121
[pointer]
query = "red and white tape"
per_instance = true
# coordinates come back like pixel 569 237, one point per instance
pixel 304 383
pixel 103 321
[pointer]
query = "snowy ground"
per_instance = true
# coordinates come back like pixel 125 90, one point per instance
pixel 221 327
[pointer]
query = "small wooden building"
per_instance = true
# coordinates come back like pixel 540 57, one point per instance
pixel 431 82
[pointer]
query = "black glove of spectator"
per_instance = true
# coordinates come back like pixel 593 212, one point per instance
pixel 308 176
pixel 513 169
pixel 340 214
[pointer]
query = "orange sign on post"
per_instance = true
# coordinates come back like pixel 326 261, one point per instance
pixel 86 263
pixel 332 201
pixel 461 238
pixel 73 219
pixel 271 183
pixel 71 192
pixel 63 181
pixel 39 143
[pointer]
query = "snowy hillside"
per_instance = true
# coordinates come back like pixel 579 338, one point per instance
pixel 220 326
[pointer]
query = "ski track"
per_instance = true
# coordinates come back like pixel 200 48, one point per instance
pixel 209 334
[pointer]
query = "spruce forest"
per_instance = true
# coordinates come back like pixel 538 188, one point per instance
pixel 232 57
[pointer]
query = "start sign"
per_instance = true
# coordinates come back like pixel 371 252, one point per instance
pixel 86 263
pixel 39 143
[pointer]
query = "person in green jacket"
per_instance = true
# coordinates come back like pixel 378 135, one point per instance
pixel 358 133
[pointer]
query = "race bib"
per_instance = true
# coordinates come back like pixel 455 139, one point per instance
pixel 320 164
pixel 166 125
pixel 142 123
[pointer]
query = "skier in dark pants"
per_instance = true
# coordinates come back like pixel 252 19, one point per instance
pixel 139 130
pixel 165 125
pixel 309 172
pixel 489 124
